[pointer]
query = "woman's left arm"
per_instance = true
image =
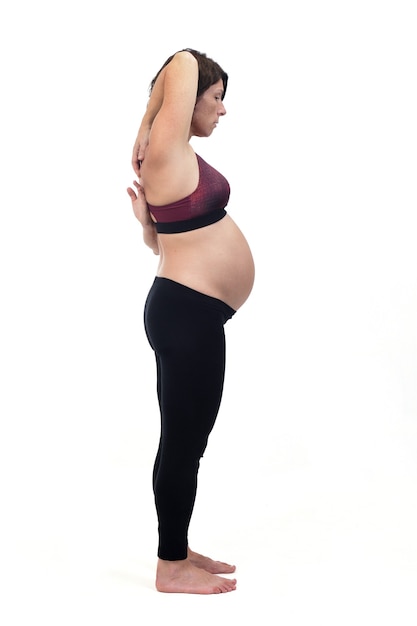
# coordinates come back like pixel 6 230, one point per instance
pixel 152 109
pixel 141 211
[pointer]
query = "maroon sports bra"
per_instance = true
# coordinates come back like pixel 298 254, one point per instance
pixel 204 206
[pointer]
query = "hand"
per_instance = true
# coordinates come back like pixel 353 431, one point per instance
pixel 139 149
pixel 139 205
pixel 141 211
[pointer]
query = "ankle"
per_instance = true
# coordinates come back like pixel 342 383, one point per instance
pixel 167 566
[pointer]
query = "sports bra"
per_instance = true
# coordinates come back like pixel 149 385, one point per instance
pixel 204 206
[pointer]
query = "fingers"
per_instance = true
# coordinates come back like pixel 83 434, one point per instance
pixel 139 153
pixel 136 168
pixel 131 194
pixel 139 188
pixel 137 158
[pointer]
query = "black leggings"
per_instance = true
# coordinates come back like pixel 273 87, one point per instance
pixel 185 330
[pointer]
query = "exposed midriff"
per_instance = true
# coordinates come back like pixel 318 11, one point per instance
pixel 215 260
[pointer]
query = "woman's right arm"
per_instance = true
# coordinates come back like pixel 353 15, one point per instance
pixel 171 106
pixel 171 125
pixel 169 170
pixel 162 157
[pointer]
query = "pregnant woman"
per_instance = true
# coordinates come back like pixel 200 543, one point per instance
pixel 205 274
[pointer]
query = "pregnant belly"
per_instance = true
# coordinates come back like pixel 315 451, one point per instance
pixel 215 260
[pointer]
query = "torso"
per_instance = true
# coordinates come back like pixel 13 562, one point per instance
pixel 215 260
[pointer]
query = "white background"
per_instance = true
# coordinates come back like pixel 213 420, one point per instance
pixel 309 480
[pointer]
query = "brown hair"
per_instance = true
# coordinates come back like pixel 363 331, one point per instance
pixel 209 72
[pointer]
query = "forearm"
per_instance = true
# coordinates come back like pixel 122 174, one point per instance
pixel 176 87
pixel 150 237
pixel 182 68
pixel 141 211
pixel 155 101
pixel 142 139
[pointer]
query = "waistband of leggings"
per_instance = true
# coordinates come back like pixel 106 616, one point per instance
pixel 227 310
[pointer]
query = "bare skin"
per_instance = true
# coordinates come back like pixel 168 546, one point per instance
pixel 214 260
pixel 213 567
pixel 196 574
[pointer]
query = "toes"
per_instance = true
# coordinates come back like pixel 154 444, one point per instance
pixel 230 586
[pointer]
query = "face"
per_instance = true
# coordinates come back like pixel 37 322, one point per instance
pixel 207 111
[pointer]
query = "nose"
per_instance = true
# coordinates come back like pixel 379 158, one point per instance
pixel 222 110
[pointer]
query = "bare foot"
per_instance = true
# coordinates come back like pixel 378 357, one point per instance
pixel 213 567
pixel 184 577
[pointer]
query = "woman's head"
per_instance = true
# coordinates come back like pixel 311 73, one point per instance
pixel 209 72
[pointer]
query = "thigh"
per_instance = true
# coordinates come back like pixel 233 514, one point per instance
pixel 186 331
